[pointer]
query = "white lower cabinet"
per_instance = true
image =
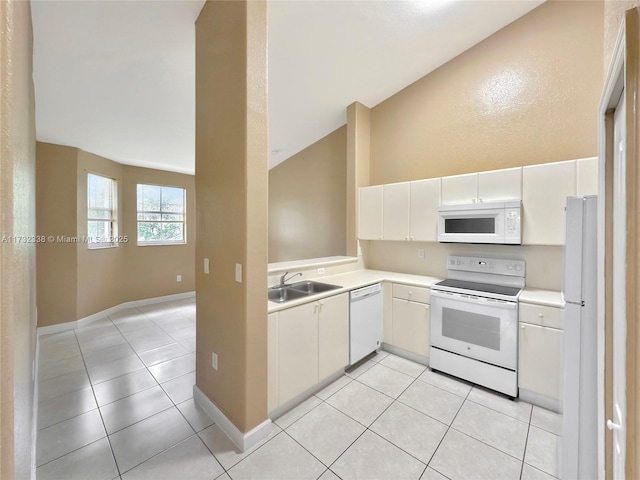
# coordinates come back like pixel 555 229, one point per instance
pixel 540 360
pixel 333 335
pixel 297 351
pixel 411 320
pixel 311 342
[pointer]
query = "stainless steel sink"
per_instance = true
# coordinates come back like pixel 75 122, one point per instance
pixel 309 287
pixel 284 294
pixel 298 290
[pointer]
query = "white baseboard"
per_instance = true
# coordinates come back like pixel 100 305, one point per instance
pixel 244 441
pixel 540 400
pixel 34 419
pixel 83 322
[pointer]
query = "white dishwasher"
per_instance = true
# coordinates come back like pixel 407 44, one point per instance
pixel 365 322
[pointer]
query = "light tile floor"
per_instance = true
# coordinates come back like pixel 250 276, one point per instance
pixel 115 401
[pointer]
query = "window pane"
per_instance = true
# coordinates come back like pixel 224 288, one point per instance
pixel 172 217
pixel 99 213
pixel 149 216
pixel 99 191
pixel 172 199
pixel 172 232
pixel 149 198
pixel 98 231
pixel 148 231
pixel 160 214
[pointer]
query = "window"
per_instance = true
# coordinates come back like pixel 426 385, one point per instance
pixel 161 215
pixel 101 211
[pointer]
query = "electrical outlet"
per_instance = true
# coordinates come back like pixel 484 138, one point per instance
pixel 321 271
pixel 239 272
pixel 214 360
pixel 178 278
pixel 421 253
pixel 206 266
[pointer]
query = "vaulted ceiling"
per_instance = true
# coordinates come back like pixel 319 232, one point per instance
pixel 117 78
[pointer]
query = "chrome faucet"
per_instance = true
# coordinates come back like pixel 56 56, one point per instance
pixel 284 278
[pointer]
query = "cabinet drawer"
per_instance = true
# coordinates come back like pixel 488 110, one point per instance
pixel 541 315
pixel 415 294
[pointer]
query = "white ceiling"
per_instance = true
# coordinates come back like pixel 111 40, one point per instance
pixel 116 78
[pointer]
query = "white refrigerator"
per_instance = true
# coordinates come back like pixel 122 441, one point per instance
pixel 580 406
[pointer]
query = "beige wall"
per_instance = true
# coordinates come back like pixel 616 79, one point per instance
pixel 307 201
pixel 100 272
pixel 75 281
pixel 231 209
pixel 526 95
pixel 151 271
pixel 17 260
pixel 56 205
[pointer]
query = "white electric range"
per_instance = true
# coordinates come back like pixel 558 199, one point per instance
pixel 474 321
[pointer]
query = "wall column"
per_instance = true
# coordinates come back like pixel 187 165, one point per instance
pixel 358 148
pixel 232 208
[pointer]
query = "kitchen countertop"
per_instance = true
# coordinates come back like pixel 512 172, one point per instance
pixel 355 279
pixel 361 278
pixel 542 297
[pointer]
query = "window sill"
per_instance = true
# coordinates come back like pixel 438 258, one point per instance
pixel 102 247
pixel 160 244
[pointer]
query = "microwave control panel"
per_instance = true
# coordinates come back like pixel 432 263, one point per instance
pixel 512 222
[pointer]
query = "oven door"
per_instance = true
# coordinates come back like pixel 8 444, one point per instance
pixel 476 327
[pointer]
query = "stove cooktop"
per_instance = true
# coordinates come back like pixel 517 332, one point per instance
pixel 482 288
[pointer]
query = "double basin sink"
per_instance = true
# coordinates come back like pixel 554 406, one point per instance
pixel 298 290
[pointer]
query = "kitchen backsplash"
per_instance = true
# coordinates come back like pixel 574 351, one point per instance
pixel 543 263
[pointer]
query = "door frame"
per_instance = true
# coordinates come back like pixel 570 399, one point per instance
pixel 622 74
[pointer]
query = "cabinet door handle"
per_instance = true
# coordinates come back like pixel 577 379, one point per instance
pixel 411 238
pixel 406 238
pixel 380 237
pixel 522 327
pixel 480 200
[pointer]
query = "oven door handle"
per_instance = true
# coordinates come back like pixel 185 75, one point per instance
pixel 474 300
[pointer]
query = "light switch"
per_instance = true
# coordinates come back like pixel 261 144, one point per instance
pixel 206 266
pixel 239 272
pixel 421 253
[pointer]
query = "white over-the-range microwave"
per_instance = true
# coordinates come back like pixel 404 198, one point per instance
pixel 495 222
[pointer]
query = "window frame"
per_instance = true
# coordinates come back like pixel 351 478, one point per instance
pixel 158 243
pixel 113 220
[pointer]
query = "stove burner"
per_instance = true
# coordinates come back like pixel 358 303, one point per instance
pixel 480 287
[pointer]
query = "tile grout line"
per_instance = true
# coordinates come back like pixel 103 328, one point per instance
pixel 113 455
pixel 174 405
pixel 526 442
pixel 91 385
pixel 448 428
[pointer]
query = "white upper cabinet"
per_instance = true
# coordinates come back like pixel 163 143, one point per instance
pixel 545 189
pixel 587 176
pixel 395 211
pixel 423 210
pixel 460 189
pixel 370 213
pixel 498 185
pixel 492 186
